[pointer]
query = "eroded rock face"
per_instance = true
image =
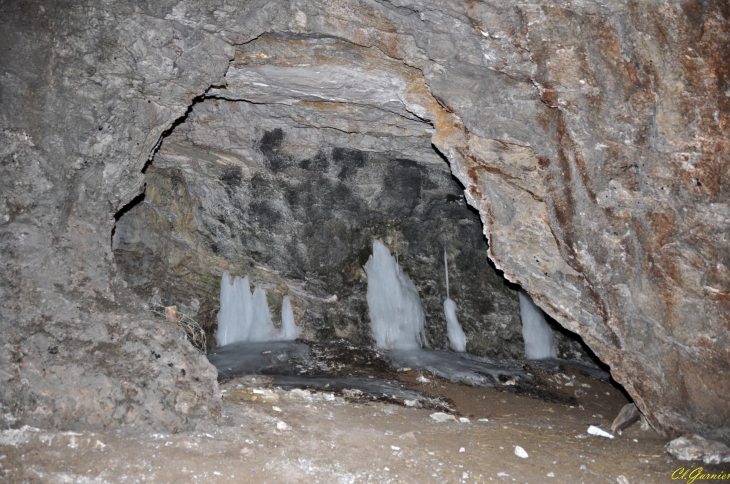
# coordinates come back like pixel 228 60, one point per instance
pixel 288 177
pixel 592 138
pixel 84 100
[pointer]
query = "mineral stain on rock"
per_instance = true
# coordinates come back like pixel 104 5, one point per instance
pixel 300 216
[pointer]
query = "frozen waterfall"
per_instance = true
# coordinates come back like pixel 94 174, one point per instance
pixel 539 342
pixel 246 317
pixel 289 329
pixel 396 314
pixel 457 338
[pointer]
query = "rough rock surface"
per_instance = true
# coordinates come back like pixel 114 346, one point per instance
pixel 592 138
pixel 290 179
pixel 694 447
pixel 78 124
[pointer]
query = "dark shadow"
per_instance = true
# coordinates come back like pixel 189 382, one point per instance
pixel 132 203
pixel 473 210
pixel 556 327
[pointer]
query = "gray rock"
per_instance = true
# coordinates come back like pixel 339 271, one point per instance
pixel 627 416
pixel 289 201
pixel 694 447
pixel 591 137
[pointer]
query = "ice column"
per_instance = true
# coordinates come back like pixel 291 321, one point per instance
pixel 396 314
pixel 457 338
pixel 246 317
pixel 539 341
pixel 262 329
pixel 289 329
pixel 236 312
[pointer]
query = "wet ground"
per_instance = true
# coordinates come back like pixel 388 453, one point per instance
pixel 268 434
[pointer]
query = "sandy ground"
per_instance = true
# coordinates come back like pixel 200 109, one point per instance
pixel 299 436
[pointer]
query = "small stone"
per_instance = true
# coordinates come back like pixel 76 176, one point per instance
pixel 462 450
pixel 394 447
pixel 281 425
pixel 353 393
pixel 697 448
pixel 408 437
pixel 442 417
pixel 628 416
pixel 422 379
pixel 299 394
pixel 520 452
pixel 464 420
pixel 275 408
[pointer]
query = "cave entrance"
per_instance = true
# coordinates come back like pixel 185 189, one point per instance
pixel 288 174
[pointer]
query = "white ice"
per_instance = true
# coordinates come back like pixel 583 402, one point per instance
pixel 261 329
pixel 236 310
pixel 457 338
pixel 246 317
pixel 289 329
pixel 593 430
pixel 396 314
pixel 539 340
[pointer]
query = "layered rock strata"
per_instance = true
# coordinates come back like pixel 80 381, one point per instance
pixel 288 174
pixel 592 138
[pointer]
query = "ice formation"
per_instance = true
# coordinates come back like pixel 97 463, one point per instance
pixel 236 310
pixel 289 329
pixel 457 338
pixel 396 314
pixel 539 342
pixel 246 317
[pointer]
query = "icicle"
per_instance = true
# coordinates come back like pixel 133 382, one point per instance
pixel 539 340
pixel 226 315
pixel 396 314
pixel 289 329
pixel 243 306
pixel 262 329
pixel 446 265
pixel 242 316
pixel 457 338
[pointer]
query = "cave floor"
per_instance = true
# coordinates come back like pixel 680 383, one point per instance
pixel 272 435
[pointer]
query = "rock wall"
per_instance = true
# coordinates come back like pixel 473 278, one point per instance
pixel 86 93
pixel 592 138
pixel 291 186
